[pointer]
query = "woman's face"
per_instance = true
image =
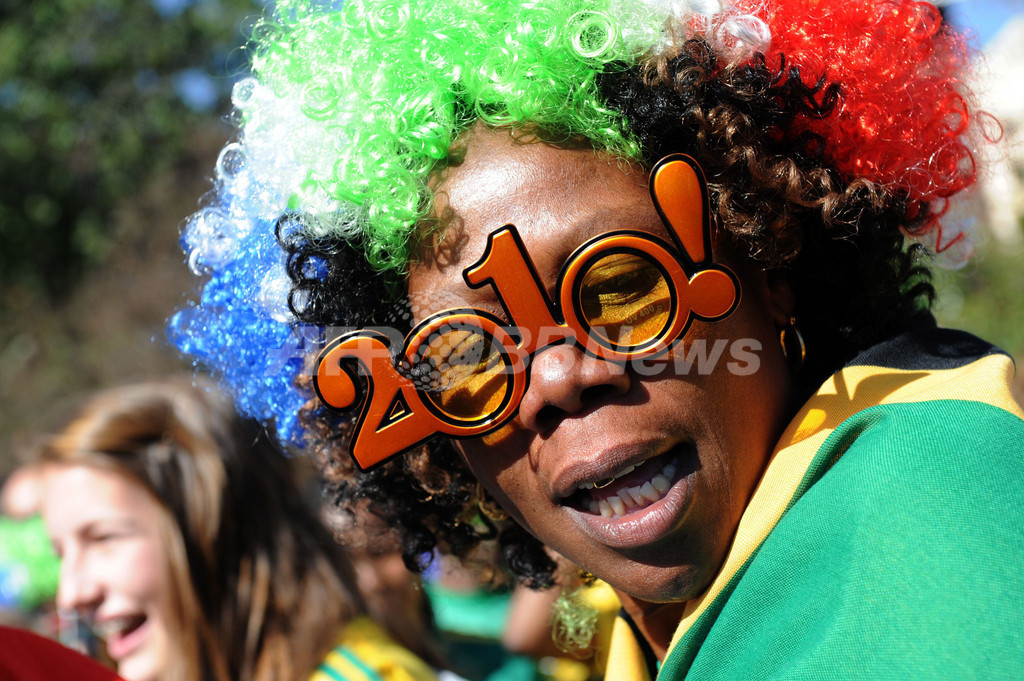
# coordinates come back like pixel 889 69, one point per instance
pixel 114 567
pixel 698 435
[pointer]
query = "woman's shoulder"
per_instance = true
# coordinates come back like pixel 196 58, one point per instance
pixel 934 363
pixel 933 439
pixel 932 402
pixel 924 378
pixel 927 414
pixel 900 558
pixel 364 652
pixel 898 548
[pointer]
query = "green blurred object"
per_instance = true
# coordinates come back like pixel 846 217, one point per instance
pixel 29 569
pixel 480 613
pixel 471 624
pixel 986 297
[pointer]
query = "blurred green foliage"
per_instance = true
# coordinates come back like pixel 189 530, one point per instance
pixel 96 98
pixel 986 297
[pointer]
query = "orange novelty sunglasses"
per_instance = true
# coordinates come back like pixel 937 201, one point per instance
pixel 623 295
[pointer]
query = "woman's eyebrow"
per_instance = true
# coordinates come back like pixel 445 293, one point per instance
pixel 108 523
pixel 485 299
pixel 601 221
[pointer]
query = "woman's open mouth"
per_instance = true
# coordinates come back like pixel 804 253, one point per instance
pixel 122 634
pixel 630 490
pixel 640 503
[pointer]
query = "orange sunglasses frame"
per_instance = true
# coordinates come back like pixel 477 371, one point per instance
pixel 401 414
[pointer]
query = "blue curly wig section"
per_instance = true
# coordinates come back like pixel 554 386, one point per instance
pixel 241 331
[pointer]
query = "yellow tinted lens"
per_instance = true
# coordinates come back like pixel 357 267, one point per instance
pixel 468 372
pixel 625 299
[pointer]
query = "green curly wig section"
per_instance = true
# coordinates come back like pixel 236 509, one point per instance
pixel 385 88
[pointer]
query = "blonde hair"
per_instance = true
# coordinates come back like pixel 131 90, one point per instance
pixel 261 590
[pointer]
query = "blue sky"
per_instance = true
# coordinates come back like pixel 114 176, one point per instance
pixel 984 18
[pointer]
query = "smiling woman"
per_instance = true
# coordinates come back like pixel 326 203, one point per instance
pixel 112 537
pixel 546 222
pixel 186 547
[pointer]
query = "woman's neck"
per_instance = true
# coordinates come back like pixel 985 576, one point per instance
pixel 656 622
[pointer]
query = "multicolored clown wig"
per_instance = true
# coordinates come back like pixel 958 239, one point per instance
pixel 832 133
pixel 350 108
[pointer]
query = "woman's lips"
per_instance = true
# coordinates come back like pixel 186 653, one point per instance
pixel 615 516
pixel 123 635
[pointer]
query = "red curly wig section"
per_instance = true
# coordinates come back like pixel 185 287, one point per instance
pixel 904 116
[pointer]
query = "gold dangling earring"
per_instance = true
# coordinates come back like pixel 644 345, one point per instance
pixel 488 507
pixel 789 335
pixel 480 508
pixel 573 621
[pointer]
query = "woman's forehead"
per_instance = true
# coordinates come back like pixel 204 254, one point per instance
pixel 75 495
pixel 509 178
pixel 507 160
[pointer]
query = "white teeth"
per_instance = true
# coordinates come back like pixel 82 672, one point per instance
pixel 631 498
pixel 114 627
pixel 649 493
pixel 666 474
pixel 108 628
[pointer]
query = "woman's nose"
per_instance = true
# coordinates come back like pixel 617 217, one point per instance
pixel 79 589
pixel 565 381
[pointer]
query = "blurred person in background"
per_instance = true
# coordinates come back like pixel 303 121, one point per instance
pixel 19 493
pixel 567 628
pixel 395 597
pixel 187 547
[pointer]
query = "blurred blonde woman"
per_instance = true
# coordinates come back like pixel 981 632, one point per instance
pixel 187 547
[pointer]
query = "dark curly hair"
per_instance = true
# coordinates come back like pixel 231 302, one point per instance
pixel 774 195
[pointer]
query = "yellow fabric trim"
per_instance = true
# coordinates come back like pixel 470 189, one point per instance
pixel 847 392
pixel 602 598
pixel 627 662
pixel 343 667
pixel 374 648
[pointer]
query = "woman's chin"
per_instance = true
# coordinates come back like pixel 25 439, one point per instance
pixel 139 654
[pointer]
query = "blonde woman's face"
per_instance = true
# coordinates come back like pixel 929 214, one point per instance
pixel 114 566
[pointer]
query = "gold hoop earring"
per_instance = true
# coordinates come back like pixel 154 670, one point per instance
pixel 794 350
